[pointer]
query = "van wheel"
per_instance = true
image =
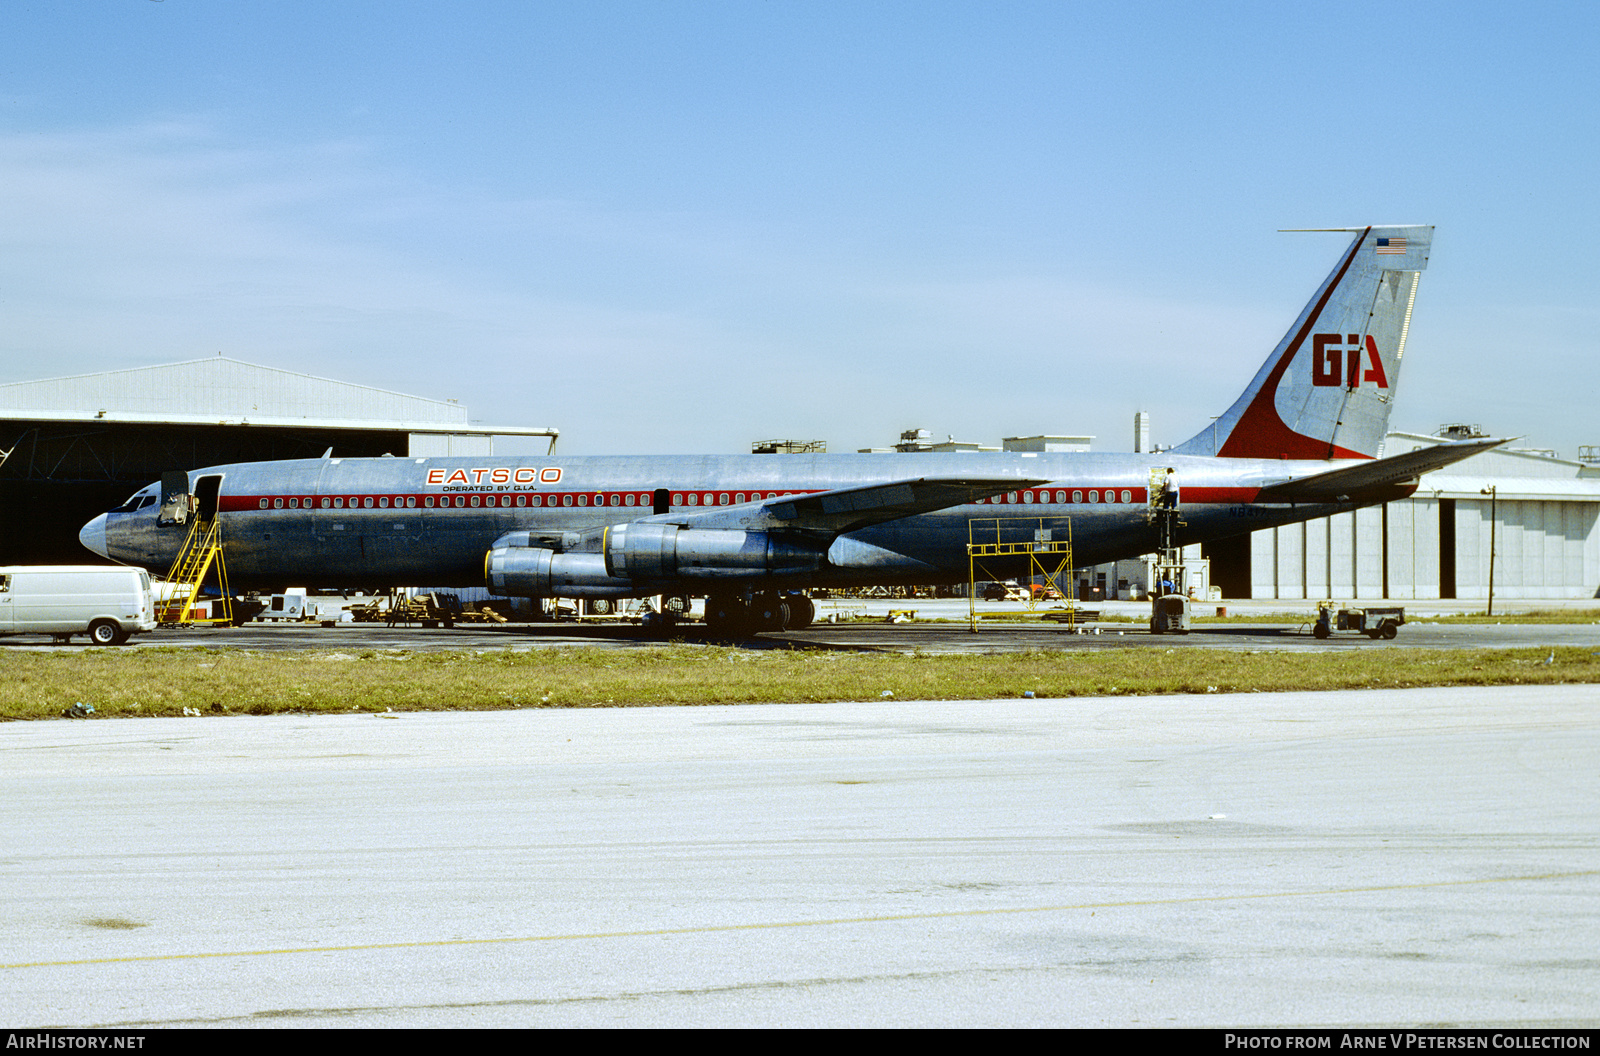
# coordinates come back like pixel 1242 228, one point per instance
pixel 106 632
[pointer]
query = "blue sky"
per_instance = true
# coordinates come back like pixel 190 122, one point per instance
pixel 681 227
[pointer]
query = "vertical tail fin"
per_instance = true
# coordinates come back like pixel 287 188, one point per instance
pixel 1326 390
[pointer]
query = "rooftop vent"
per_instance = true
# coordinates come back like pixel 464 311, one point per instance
pixel 789 447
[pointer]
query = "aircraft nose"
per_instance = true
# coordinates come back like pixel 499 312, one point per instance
pixel 93 535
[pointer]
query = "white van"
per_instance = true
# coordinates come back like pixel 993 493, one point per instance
pixel 107 604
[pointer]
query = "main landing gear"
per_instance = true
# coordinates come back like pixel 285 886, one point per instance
pixel 741 615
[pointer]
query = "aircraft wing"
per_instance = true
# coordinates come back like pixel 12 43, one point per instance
pixel 1339 485
pixel 850 509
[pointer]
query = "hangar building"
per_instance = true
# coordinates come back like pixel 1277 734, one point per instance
pixel 74 447
pixel 1540 513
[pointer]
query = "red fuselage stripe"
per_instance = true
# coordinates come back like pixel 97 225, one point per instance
pixel 682 500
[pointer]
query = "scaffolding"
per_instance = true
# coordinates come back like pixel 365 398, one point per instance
pixel 1163 512
pixel 200 555
pixel 1169 605
pixel 1046 542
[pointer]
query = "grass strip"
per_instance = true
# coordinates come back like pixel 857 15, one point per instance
pixel 1536 617
pixel 185 681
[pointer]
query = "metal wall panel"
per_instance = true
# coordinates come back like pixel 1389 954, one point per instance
pixel 1544 549
pixel 1581 529
pixel 1400 542
pixel 1472 548
pixel 1341 549
pixel 443 445
pixel 1367 546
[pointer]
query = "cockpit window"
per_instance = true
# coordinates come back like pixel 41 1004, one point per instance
pixel 137 501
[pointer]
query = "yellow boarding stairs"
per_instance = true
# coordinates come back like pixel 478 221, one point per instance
pixel 200 554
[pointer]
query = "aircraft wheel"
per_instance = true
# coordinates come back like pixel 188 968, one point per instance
pixel 802 613
pixel 725 615
pixel 768 612
pixel 106 632
pixel 600 607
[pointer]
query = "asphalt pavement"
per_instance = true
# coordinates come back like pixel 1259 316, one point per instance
pixel 1381 858
pixel 926 625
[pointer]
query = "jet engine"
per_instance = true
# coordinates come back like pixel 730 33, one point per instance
pixel 644 550
pixel 534 572
pixel 643 558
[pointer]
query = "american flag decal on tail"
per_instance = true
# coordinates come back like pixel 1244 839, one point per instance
pixel 1391 246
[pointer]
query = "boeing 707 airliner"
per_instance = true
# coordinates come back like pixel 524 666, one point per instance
pixel 752 533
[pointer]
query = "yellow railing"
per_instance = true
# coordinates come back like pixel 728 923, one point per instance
pixel 1051 542
pixel 200 554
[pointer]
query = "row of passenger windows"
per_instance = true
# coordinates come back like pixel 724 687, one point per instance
pixel 1030 498
pixel 629 498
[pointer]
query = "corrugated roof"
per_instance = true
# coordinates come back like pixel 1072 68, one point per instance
pixel 1498 462
pixel 1446 485
pixel 1513 473
pixel 219 390
pixel 223 387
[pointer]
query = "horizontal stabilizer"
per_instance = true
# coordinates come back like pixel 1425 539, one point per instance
pixel 851 509
pixel 1340 485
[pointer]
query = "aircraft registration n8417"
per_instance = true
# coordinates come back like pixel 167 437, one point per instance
pixel 752 533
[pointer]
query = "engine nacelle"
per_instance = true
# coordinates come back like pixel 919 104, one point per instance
pixel 650 551
pixel 642 558
pixel 534 572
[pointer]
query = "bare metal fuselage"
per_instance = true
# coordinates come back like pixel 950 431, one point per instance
pixel 1303 440
pixel 390 521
